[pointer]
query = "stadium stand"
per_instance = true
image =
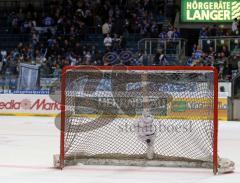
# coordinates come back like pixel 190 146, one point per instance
pixel 54 34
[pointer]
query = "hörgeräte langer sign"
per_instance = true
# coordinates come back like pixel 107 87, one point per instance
pixel 210 10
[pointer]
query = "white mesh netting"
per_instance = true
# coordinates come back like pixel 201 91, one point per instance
pixel 103 108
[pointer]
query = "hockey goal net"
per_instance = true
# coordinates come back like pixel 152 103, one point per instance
pixel 156 116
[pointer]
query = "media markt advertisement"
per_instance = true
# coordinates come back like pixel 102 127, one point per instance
pixel 28 105
pixel 210 10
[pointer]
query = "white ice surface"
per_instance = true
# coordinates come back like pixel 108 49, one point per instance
pixel 27 145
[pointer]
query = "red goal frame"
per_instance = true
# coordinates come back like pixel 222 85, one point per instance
pixel 150 68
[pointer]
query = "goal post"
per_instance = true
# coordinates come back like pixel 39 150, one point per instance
pixel 103 117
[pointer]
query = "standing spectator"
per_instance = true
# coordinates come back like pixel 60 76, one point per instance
pixel 123 42
pixel 98 59
pixel 118 26
pixel 235 26
pixel 170 33
pixel 211 55
pixel 204 32
pixel 116 42
pixel 15 24
pixel 35 39
pixel 73 59
pixel 219 31
pixel 37 57
pixel 107 41
pixel 175 34
pixel 105 29
pixel 214 30
pixel 57 71
pixel 194 49
pixel 225 51
pixel 238 64
pixel 3 54
pixel 88 58
pixel 221 64
pixel 1 66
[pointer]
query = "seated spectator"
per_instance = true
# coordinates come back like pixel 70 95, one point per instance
pixel 154 30
pixel 198 53
pixel 163 35
pixel 190 61
pixel 160 58
pixel 145 29
pixel 163 59
pixel 48 21
pixel 142 58
pixel 204 60
pixel 156 57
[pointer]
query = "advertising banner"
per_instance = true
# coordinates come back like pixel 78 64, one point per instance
pixel 210 10
pixel 28 105
pixel 197 109
pixel 43 105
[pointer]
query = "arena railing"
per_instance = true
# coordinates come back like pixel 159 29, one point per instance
pixel 173 48
pixel 169 46
pixel 231 42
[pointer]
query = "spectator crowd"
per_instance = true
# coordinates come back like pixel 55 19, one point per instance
pixel 208 54
pixel 60 36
